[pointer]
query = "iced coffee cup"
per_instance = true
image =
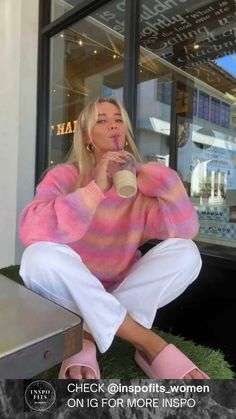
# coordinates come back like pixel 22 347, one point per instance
pixel 124 177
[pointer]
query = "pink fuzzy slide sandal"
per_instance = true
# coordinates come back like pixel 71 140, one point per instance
pixel 170 363
pixel 85 358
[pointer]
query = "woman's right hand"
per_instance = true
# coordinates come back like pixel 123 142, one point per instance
pixel 101 173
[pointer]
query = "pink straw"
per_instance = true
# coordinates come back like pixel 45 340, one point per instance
pixel 116 141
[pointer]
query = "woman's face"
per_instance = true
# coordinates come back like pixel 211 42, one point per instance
pixel 109 132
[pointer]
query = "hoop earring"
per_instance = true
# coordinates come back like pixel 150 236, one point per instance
pixel 89 147
pixel 126 145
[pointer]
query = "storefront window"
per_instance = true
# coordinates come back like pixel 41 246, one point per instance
pixel 186 93
pixel 86 62
pixel 198 42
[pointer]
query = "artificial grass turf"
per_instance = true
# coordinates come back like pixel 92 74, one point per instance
pixel 118 361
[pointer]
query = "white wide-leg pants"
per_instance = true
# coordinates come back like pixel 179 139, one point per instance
pixel 162 274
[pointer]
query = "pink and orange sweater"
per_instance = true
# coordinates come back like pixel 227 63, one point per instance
pixel 103 229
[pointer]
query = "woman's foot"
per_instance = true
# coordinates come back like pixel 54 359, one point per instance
pixel 195 374
pixel 148 343
pixel 82 365
pixel 81 372
pixel 157 344
pixel 170 363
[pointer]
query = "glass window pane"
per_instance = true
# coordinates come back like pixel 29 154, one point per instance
pixel 60 7
pixel 192 44
pixel 215 111
pixel 195 102
pixel 225 115
pixel 86 62
pixel 204 102
pixel 154 109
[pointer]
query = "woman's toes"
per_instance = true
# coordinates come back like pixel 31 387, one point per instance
pixel 75 372
pixel 197 375
pixel 90 376
pixel 194 375
pixel 78 373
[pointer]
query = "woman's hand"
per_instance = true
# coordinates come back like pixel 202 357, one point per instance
pixel 102 176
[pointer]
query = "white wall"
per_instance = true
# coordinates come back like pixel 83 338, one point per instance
pixel 18 79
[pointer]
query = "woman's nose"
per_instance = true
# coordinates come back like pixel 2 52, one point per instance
pixel 113 125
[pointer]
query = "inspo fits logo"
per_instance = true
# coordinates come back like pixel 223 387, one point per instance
pixel 40 395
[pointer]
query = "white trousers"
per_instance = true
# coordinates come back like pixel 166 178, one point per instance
pixel 162 274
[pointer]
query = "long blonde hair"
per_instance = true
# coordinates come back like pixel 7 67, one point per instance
pixel 80 155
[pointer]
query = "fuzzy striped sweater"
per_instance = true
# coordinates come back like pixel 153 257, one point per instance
pixel 104 229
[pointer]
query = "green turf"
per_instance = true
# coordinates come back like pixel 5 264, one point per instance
pixel 118 361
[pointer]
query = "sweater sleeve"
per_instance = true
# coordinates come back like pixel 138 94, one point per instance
pixel 173 214
pixel 56 214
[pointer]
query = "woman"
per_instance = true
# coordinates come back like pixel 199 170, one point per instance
pixel 83 242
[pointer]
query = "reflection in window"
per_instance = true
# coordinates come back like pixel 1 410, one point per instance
pixel 203 107
pixel 225 115
pixel 154 108
pixel 195 102
pixel 164 91
pixel 192 37
pixel 60 7
pixel 215 111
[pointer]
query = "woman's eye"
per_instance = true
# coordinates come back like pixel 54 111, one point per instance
pixel 103 121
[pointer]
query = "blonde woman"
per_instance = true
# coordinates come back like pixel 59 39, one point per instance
pixel 82 245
